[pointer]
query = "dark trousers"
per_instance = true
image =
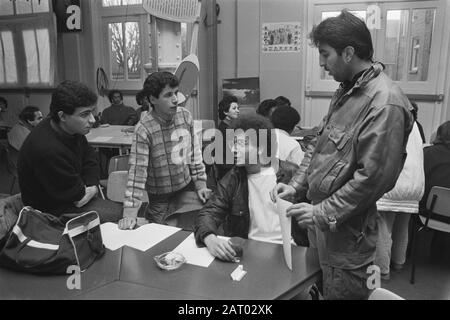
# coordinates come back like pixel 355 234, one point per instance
pixel 343 284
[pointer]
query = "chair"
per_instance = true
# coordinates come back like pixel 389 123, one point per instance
pixel 116 163
pixel 436 217
pixel 383 294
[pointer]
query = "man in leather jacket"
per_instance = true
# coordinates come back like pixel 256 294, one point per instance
pixel 355 159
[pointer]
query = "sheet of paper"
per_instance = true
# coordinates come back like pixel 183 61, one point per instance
pixel 285 223
pixel 194 255
pixel 101 139
pixel 142 238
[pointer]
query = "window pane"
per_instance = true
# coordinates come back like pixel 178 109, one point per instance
pixel 330 14
pixel 40 6
pixel 133 50
pixel 422 24
pixel 31 54
pixel 23 6
pixel 9 57
pixel 6 7
pixel 396 43
pixel 43 41
pixel 110 3
pixel 117 52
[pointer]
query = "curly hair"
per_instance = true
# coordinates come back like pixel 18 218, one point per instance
pixel 343 31
pixel 112 93
pixel 443 134
pixel 27 114
pixel 265 107
pixel 157 81
pixel 285 118
pixel 262 125
pixel 70 95
pixel 225 104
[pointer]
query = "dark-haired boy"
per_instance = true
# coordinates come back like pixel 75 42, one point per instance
pixel 118 113
pixel 241 205
pixel 58 170
pixel 165 158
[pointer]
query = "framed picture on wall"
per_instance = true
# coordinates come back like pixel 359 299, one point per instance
pixel 246 90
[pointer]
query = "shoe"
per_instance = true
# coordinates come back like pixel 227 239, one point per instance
pixel 385 276
pixel 396 266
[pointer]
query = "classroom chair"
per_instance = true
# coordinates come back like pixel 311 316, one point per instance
pixel 116 163
pixel 436 217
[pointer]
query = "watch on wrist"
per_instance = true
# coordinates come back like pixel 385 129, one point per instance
pixel 332 224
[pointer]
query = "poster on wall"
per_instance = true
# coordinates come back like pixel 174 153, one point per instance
pixel 281 37
pixel 246 90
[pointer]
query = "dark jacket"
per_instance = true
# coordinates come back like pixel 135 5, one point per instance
pixel 357 157
pixel 55 168
pixel 227 212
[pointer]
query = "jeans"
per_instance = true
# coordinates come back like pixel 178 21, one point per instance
pixel 392 239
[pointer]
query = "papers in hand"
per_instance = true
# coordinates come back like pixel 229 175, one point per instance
pixel 285 223
pixel 142 238
pixel 194 255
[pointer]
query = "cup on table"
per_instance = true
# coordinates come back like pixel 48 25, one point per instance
pixel 237 243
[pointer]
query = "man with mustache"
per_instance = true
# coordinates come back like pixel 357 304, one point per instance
pixel 58 170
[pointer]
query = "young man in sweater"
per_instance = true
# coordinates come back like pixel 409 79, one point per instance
pixel 58 170
pixel 165 158
pixel 119 114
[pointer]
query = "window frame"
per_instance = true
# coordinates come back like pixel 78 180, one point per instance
pixel 316 84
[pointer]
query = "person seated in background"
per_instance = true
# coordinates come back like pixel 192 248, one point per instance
pixel 29 118
pixel 266 108
pixel 118 114
pixel 283 101
pixel 396 206
pixel 144 104
pixel 228 111
pixel 437 173
pixel 414 111
pixel 285 119
pixel 163 136
pixel 241 205
pixel 5 124
pixel 58 170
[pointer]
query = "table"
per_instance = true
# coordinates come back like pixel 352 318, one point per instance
pixel 110 137
pixel 131 274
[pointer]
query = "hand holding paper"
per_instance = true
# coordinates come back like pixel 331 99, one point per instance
pixel 285 223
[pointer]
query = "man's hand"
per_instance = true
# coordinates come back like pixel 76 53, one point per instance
pixel 204 194
pixel 303 213
pixel 127 223
pixel 283 191
pixel 219 248
pixel 90 192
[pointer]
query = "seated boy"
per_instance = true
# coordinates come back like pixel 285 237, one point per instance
pixel 241 205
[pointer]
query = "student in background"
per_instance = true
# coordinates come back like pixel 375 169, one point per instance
pixel 7 118
pixel 241 205
pixel 58 170
pixel 266 108
pixel 163 135
pixel 118 114
pixel 29 118
pixel 396 207
pixel 285 119
pixel 228 111
pixel 143 102
pixel 283 101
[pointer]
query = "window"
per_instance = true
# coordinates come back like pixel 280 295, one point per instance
pixel 406 43
pixel 27 44
pixel 138 43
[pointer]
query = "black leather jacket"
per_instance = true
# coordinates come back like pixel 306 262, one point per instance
pixel 227 212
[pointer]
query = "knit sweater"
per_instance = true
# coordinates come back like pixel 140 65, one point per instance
pixel 119 115
pixel 54 168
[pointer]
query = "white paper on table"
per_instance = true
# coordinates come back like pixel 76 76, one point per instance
pixel 285 223
pixel 142 238
pixel 195 255
pixel 101 139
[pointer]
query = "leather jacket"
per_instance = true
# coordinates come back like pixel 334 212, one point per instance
pixel 356 158
pixel 227 212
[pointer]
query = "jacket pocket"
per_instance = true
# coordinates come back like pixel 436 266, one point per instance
pixel 327 182
pixel 339 138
